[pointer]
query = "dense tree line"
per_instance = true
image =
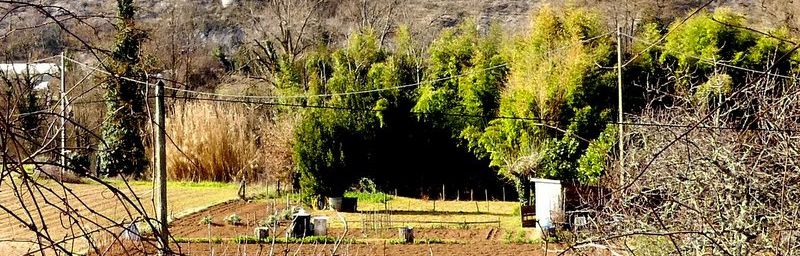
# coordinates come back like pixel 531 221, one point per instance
pixel 541 104
pixel 484 106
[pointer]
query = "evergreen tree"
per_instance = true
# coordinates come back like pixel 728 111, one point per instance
pixel 123 150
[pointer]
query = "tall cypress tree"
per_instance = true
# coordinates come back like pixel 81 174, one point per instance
pixel 123 150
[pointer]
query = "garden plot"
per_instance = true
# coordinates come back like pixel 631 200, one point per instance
pixel 458 227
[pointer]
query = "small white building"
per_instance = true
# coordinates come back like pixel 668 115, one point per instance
pixel 226 3
pixel 39 74
pixel 549 202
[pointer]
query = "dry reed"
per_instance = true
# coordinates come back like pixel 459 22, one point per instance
pixel 224 143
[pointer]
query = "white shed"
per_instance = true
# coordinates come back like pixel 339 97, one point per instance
pixel 37 73
pixel 549 201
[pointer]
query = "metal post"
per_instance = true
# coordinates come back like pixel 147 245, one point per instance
pixel 619 107
pixel 161 170
pixel 486 196
pixel 63 130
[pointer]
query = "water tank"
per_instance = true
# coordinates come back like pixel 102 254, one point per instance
pixel 320 226
pixel 301 224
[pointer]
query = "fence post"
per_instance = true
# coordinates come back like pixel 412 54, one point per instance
pixel 444 196
pixel 486 195
pixel 278 188
pixel 161 171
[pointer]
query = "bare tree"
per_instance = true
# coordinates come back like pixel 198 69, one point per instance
pixel 33 192
pixel 725 184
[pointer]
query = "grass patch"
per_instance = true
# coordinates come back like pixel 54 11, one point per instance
pixel 518 236
pixel 30 169
pixel 374 197
pixel 203 184
pixel 174 184
pixel 447 214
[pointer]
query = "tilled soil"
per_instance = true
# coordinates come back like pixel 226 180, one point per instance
pixel 486 240
pixel 250 213
pixel 479 248
pixel 445 234
pixel 485 248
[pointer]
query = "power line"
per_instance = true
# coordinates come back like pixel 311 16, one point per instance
pixel 719 62
pixel 695 12
pixel 43 59
pixel 545 120
pixel 271 97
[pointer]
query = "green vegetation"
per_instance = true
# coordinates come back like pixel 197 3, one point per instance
pixel 233 219
pixel 207 220
pixel 367 192
pixel 291 240
pixel 276 240
pixel 426 241
pixel 519 236
pixel 123 151
pixel 283 215
pixel 378 197
pixel 536 105
pixel 332 147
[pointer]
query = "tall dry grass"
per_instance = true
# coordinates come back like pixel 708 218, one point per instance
pixel 224 142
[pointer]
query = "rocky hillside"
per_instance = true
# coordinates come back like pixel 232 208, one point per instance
pixel 188 30
pixel 228 21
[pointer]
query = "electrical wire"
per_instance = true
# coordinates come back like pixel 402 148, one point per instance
pixel 720 63
pixel 326 94
pixel 683 21
pixel 491 117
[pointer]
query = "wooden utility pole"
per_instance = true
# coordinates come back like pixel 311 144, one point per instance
pixel 161 170
pixel 619 107
pixel 63 130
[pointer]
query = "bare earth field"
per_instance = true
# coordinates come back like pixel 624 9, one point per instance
pixel 368 233
pixel 470 249
pixel 454 228
pixel 97 204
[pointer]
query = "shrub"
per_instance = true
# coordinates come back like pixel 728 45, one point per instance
pixel 207 220
pixel 375 197
pixel 233 219
pixel 79 162
pixel 285 214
